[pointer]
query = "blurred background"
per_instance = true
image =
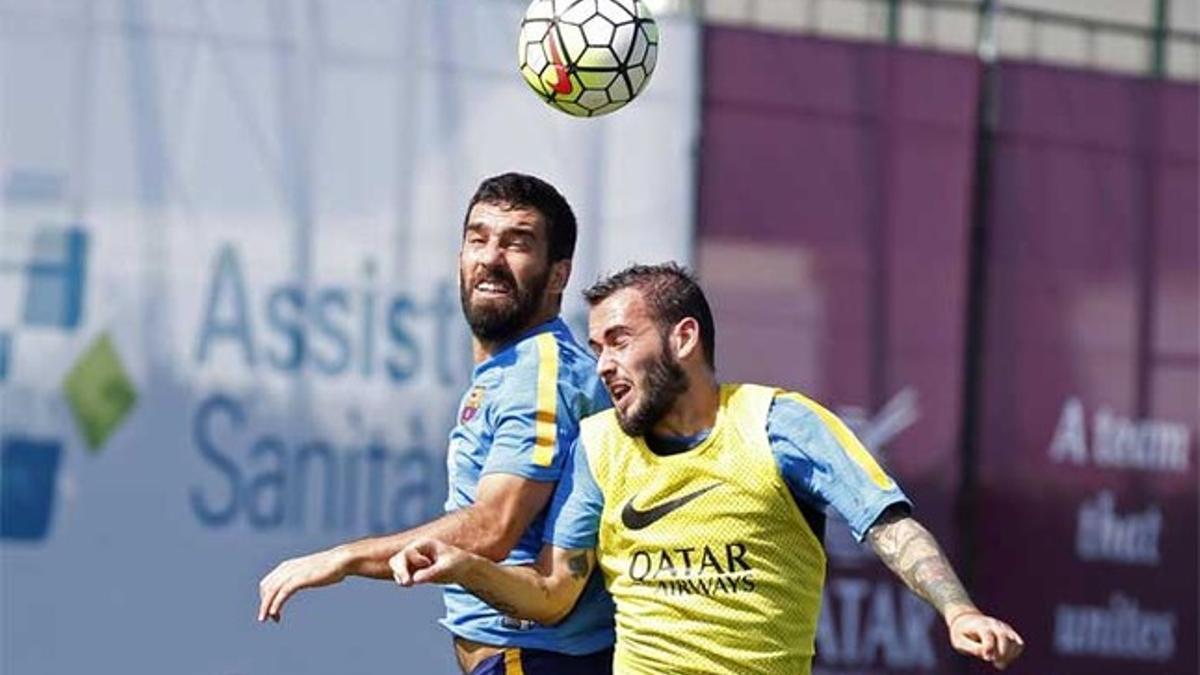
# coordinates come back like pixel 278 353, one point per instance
pixel 229 330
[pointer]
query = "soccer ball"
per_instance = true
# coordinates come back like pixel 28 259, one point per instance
pixel 588 57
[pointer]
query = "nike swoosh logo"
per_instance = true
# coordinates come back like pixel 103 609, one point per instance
pixel 637 520
pixel 562 83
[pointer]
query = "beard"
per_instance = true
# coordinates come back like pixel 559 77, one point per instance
pixel 662 384
pixel 501 319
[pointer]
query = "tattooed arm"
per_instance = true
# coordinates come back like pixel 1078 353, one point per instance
pixel 544 592
pixel 912 553
pixel 909 550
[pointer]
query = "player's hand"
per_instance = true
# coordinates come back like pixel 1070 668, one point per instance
pixel 310 571
pixel 981 636
pixel 429 561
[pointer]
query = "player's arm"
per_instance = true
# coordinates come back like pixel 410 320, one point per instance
pixel 912 553
pixel 821 458
pixel 515 486
pixel 544 592
pixel 504 507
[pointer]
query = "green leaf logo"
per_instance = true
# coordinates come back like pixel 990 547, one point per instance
pixel 99 392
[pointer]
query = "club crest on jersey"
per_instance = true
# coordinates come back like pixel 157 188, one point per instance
pixel 474 400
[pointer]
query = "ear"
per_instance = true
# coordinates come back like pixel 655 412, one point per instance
pixel 685 339
pixel 560 274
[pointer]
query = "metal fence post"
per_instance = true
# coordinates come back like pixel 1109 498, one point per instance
pixel 1158 44
pixel 893 21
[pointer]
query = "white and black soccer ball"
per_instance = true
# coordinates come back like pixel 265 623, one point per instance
pixel 588 57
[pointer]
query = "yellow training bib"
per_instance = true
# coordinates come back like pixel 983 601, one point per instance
pixel 711 564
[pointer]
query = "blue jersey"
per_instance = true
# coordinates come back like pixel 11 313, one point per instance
pixel 820 461
pixel 520 416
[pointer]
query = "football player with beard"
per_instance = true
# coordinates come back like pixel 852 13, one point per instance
pixel 703 505
pixel 531 385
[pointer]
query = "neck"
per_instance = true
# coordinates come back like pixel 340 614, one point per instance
pixel 482 350
pixel 695 410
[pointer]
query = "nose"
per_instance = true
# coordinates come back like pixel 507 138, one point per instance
pixel 605 366
pixel 488 254
pixel 491 254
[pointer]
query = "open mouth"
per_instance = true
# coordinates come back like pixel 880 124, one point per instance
pixel 493 288
pixel 620 391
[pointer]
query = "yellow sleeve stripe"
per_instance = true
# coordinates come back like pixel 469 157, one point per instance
pixel 849 442
pixel 546 422
pixel 512 662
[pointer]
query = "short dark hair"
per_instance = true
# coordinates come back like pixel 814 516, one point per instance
pixel 522 191
pixel 672 294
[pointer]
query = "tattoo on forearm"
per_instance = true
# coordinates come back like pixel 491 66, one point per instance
pixel 910 551
pixel 579 565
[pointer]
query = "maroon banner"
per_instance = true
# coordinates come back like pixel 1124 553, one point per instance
pixel 835 184
pixel 1088 531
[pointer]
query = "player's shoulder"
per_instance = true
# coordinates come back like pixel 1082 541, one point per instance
pixel 600 442
pixel 574 360
pixel 553 346
pixel 548 357
pixel 793 409
pixel 803 421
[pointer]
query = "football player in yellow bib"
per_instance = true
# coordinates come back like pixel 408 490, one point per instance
pixel 701 504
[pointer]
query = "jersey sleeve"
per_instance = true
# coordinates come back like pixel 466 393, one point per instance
pixel 822 461
pixel 573 520
pixel 530 416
